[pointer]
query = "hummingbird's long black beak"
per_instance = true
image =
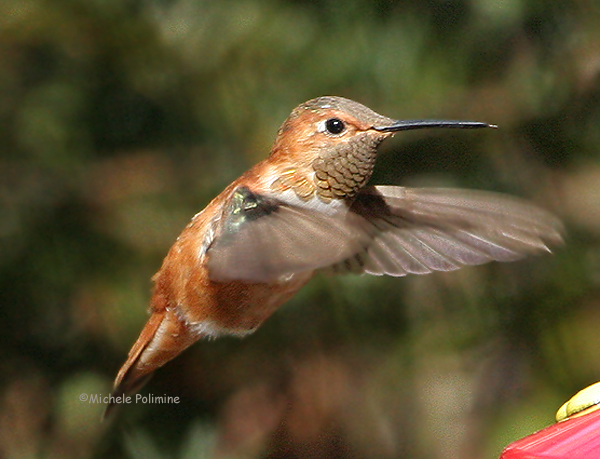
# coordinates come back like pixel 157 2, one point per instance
pixel 407 125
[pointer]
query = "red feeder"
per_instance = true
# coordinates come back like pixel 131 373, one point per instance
pixel 577 437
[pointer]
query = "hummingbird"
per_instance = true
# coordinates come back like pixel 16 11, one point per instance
pixel 307 208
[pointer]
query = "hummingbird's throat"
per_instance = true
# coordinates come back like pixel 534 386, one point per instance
pixel 342 171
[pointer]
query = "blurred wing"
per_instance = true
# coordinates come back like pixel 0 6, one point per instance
pixel 420 230
pixel 262 239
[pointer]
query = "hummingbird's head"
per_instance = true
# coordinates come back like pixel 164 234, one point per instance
pixel 339 137
pixel 329 122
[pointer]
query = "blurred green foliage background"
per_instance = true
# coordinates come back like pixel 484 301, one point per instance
pixel 120 119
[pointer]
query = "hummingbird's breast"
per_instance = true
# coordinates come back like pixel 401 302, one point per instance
pixel 335 173
pixel 302 182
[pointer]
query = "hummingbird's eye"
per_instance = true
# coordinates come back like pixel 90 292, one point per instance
pixel 335 126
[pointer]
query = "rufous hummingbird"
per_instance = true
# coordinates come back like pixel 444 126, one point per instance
pixel 306 208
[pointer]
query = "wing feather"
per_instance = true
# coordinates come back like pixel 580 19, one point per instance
pixel 262 239
pixel 386 230
pixel 434 229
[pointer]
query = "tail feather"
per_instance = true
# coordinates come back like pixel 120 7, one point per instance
pixel 164 337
